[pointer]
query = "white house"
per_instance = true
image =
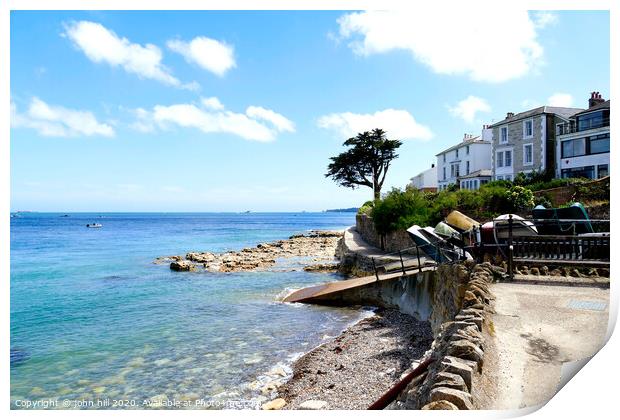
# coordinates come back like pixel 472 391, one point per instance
pixel 425 180
pixel 471 155
pixel 582 146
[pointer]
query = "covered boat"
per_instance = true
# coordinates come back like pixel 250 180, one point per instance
pixel 571 220
pixel 497 230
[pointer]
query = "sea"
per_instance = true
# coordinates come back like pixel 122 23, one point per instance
pixel 95 322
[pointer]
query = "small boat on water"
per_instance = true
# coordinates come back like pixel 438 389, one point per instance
pixel 94 225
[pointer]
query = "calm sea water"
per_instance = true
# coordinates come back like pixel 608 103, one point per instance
pixel 92 317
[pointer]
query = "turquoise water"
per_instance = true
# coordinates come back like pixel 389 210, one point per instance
pixel 92 317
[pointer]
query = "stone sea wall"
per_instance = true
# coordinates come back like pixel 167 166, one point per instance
pixel 456 300
pixel 391 242
pixel 461 304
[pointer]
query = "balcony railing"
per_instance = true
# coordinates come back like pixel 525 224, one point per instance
pixel 572 127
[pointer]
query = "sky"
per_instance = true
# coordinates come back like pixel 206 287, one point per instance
pixel 234 111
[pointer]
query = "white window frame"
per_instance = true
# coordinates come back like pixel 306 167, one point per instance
pixel 500 135
pixel 525 135
pixel 511 158
pixel 531 162
pixel 498 160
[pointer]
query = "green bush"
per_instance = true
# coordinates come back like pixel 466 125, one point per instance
pixel 399 210
pixel 366 207
pixel 521 198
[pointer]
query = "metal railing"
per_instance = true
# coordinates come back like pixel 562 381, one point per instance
pixel 576 247
pixel 581 245
pixel 573 127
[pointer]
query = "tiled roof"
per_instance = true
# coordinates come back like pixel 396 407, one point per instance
pixel 563 112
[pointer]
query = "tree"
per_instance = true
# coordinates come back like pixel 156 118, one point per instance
pixel 366 162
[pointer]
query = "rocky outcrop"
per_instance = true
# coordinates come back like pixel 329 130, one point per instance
pixel 458 317
pixel 319 245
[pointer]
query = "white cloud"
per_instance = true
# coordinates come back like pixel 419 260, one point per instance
pixel 212 103
pixel 279 121
pixel 210 54
pixel 57 121
pixel 212 117
pixel 398 123
pixel 469 107
pixel 561 99
pixel 543 19
pixel 102 45
pixel 488 45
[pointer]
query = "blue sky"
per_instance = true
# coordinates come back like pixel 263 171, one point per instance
pixel 230 111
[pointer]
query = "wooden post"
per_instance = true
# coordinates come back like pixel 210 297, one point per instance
pixel 402 264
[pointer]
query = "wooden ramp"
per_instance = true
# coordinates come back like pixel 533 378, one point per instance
pixel 314 293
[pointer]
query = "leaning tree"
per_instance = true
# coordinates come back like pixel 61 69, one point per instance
pixel 366 162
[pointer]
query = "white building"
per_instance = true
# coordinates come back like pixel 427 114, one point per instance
pixel 476 179
pixel 582 146
pixel 465 158
pixel 426 180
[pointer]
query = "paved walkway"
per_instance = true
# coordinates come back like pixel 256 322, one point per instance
pixel 537 328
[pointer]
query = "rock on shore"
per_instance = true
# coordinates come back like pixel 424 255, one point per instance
pixel 320 245
pixel 360 365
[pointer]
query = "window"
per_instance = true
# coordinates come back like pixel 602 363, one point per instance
pixel 467 168
pixel 503 135
pixel 528 129
pixel 580 172
pixel 444 172
pixel 457 153
pixel 499 178
pixel 444 158
pixel 466 150
pixel 599 144
pixel 499 162
pixel 572 148
pixel 528 154
pixel 593 120
pixel 508 158
pixel 603 171
pixel 454 170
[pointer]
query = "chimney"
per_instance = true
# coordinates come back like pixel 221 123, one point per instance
pixel 595 99
pixel 510 115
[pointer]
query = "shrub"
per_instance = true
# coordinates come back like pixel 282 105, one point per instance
pixel 399 210
pixel 366 207
pixel 494 195
pixel 520 198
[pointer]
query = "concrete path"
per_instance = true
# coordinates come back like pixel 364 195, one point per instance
pixel 537 328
